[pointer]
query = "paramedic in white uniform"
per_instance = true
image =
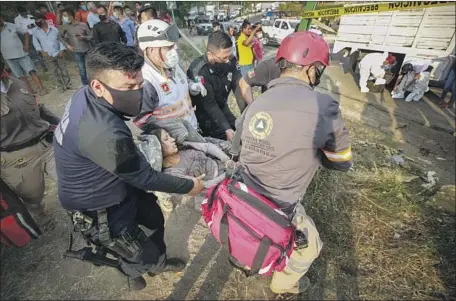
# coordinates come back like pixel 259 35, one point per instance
pixel 415 79
pixel 375 64
pixel 166 100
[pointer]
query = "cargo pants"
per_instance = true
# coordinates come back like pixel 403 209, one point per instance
pixel 300 261
pixel 23 170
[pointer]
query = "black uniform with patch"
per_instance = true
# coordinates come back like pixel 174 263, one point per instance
pixel 212 111
pixel 99 167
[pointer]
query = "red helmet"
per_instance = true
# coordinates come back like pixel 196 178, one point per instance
pixel 391 59
pixel 304 48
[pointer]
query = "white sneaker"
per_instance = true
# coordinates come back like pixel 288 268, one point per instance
pixel 364 90
pixel 409 97
pixel 397 95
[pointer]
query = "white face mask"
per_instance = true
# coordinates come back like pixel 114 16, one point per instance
pixel 260 35
pixel 171 59
pixel 65 20
pixel 116 15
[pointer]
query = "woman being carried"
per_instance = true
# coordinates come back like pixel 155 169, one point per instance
pixel 194 158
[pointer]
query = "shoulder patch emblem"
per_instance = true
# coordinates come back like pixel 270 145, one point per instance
pixel 260 125
pixel 251 73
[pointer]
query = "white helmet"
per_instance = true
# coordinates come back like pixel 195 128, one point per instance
pixel 157 33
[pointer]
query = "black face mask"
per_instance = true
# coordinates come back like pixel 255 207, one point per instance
pixel 102 17
pixel 317 77
pixel 128 103
pixel 222 67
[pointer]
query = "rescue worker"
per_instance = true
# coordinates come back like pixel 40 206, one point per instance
pixel 166 98
pixel 26 141
pixel 101 173
pixel 218 71
pixel 259 76
pixel 415 79
pixel 374 63
pixel 286 139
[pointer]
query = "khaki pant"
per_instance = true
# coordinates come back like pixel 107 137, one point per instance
pixel 23 170
pixel 300 260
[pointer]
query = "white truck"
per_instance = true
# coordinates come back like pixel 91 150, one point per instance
pixel 419 34
pixel 274 31
pixel 222 15
pixel 210 12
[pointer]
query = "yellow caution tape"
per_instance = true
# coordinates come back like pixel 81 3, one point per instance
pixel 374 8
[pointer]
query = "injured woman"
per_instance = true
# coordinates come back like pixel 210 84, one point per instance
pixel 191 159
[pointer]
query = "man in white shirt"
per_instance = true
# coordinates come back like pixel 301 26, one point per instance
pixel 46 41
pixel 24 23
pixel 16 55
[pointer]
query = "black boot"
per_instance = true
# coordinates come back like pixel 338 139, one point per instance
pixel 171 265
pixel 174 265
pixel 137 284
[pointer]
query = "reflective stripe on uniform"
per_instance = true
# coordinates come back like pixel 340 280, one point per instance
pixel 343 156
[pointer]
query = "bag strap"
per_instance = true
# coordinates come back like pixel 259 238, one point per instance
pixel 259 205
pixel 260 255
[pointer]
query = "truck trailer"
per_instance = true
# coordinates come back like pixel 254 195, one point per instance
pixel 419 34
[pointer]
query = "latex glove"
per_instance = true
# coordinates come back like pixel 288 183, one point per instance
pixel 197 88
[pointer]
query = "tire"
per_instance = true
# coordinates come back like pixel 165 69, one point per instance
pixel 265 40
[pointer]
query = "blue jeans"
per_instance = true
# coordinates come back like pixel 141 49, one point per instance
pixel 246 69
pixel 450 85
pixel 80 61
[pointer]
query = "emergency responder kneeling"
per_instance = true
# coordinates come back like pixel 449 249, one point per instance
pixel 26 141
pixel 102 175
pixel 286 139
pixel 374 65
pixel 166 99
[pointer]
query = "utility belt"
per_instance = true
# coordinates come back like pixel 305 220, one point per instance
pixel 126 245
pixel 48 135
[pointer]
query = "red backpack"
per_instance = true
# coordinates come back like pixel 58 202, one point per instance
pixel 259 236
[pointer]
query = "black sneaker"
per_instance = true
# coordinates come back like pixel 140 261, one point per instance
pixel 137 284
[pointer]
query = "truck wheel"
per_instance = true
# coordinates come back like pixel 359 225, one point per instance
pixel 265 40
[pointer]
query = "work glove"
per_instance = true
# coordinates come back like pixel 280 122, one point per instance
pixel 197 88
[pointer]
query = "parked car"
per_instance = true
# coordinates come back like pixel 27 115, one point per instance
pixel 276 32
pixel 204 29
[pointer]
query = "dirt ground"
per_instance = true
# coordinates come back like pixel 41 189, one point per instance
pixel 385 236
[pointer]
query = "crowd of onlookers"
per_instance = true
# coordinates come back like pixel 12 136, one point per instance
pixel 42 37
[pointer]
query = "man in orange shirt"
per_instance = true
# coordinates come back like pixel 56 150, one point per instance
pixel 82 13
